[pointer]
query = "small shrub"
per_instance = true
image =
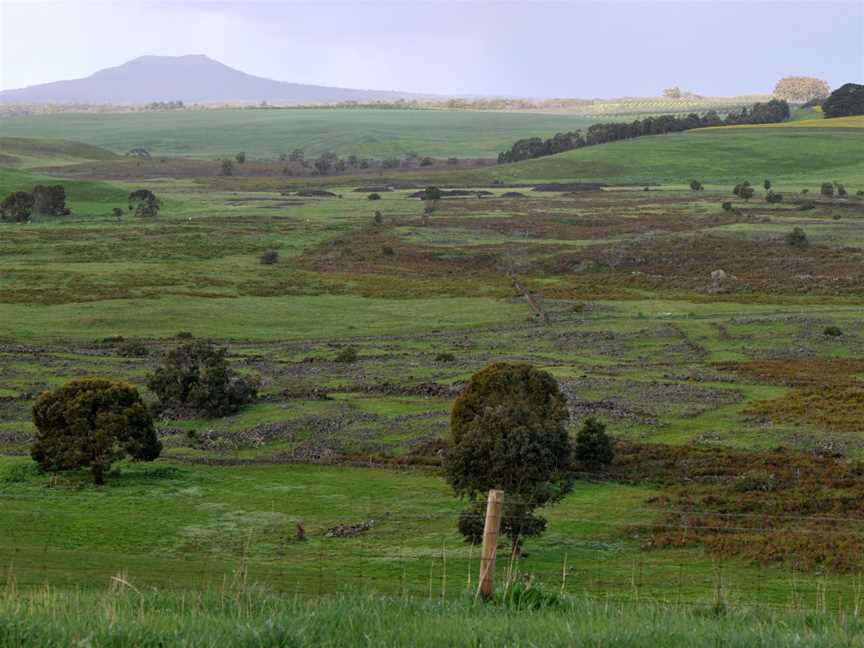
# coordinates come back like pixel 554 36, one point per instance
pixel 184 335
pixel 767 185
pixel 240 157
pixel 744 191
pixel 270 257
pixel 841 190
pixel 755 480
pixel 593 446
pixel 426 161
pixel 727 206
pixel 227 168
pixel 374 196
pixel 695 185
pixel 378 218
pixel 827 189
pixel 832 331
pixel 807 205
pixel 386 250
pixel 805 191
pixel 347 355
pixel 444 356
pixel 117 213
pixel 17 207
pixel 773 197
pixel 132 349
pixel 797 238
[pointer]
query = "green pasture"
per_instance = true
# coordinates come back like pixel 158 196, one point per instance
pixel 268 133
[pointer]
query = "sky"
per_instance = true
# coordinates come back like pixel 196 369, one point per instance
pixel 530 48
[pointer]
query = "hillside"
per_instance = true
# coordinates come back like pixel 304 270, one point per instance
pixel 720 155
pixel 267 133
pixel 192 79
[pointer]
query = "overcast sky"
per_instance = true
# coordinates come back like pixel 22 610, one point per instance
pixel 529 48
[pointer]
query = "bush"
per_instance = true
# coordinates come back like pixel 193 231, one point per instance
pixel 240 157
pixel 755 480
pixel 832 331
pixel 50 200
pixel 92 423
pixel 827 189
pixel 374 196
pixel 426 161
pixel 508 431
pixel 593 446
pixel 132 349
pixel 807 205
pixel 444 356
pixel 431 193
pixel 805 191
pixel 695 185
pixel 744 191
pixel 727 206
pixel 348 354
pixel 797 238
pixel 773 197
pixel 227 168
pixel 841 190
pixel 386 250
pixel 143 202
pixel 767 184
pixel 17 207
pixel 196 376
pixel 270 257
pixel 117 213
pixel 378 219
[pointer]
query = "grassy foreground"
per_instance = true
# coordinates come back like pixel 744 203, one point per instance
pixel 251 618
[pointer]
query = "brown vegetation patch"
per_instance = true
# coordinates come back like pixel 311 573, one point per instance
pixel 767 266
pixel 785 508
pixel 829 394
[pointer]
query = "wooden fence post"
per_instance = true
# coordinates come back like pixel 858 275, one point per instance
pixel 490 542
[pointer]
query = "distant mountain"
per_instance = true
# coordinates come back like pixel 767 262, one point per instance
pixel 191 79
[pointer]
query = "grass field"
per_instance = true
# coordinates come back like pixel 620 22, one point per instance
pixel 735 397
pixel 267 133
pixel 255 618
pixel 794 152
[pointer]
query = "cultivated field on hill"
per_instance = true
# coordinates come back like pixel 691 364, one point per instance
pixel 379 134
pixel 725 361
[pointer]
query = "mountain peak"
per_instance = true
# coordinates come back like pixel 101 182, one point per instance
pixel 191 78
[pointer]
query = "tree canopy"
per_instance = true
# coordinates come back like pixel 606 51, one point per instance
pixel 92 423
pixel 801 89
pixel 508 431
pixel 845 101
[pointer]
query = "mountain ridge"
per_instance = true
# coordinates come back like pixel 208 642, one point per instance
pixel 191 78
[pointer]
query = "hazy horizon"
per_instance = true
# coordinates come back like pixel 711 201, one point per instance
pixel 528 49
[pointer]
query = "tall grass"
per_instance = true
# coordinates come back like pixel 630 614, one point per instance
pixel 241 616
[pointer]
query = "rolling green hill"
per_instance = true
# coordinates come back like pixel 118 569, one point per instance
pixel 791 153
pixel 267 133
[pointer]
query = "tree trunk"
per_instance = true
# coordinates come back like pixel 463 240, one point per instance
pixel 98 474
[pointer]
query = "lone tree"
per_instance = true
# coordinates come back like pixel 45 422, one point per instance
pixel 845 101
pixel 508 431
pixel 92 423
pixel 195 376
pixel 17 207
pixel 797 238
pixel 801 89
pixel 240 157
pixel 143 202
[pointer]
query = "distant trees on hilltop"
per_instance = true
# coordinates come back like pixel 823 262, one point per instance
pixel 773 111
pixel 801 89
pixel 845 101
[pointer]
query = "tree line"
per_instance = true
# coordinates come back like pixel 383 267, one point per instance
pixel 771 112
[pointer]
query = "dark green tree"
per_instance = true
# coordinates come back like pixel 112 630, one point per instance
pixel 508 431
pixel 143 202
pixel 797 238
pixel 845 101
pixel 593 446
pixel 196 376
pixel 92 423
pixel 240 157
